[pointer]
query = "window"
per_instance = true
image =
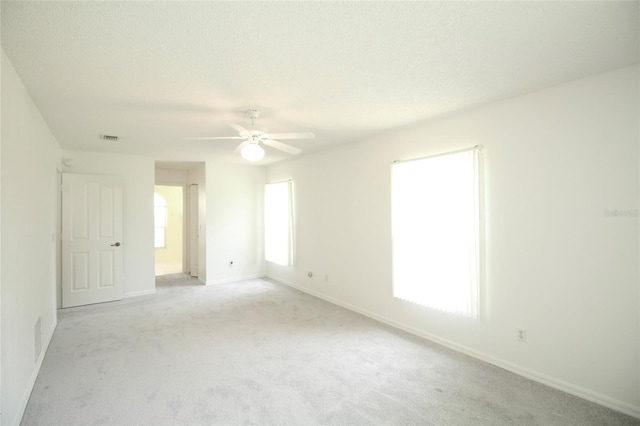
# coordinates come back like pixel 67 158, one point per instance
pixel 160 220
pixel 278 223
pixel 435 231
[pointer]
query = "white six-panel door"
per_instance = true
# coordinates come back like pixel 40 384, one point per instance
pixel 91 239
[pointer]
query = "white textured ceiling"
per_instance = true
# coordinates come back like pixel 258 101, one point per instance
pixel 154 73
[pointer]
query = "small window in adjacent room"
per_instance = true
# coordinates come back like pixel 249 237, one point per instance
pixel 278 223
pixel 160 220
pixel 435 231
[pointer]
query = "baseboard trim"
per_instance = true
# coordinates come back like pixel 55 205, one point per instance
pixel 233 279
pixel 139 293
pixel 536 376
pixel 34 374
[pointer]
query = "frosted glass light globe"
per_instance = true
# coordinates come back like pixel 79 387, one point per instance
pixel 252 152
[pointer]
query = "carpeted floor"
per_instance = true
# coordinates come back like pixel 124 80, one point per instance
pixel 257 352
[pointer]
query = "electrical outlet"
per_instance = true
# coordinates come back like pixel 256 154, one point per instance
pixel 522 335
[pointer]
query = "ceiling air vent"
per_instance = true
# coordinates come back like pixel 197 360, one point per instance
pixel 110 138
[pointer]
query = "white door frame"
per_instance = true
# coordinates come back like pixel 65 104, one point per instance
pixel 193 230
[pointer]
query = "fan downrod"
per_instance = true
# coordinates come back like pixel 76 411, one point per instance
pixel 253 114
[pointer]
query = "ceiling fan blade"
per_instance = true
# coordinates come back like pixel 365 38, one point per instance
pixel 213 137
pixel 302 135
pixel 281 146
pixel 239 148
pixel 238 128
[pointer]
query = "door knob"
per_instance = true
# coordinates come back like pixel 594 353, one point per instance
pixel 116 244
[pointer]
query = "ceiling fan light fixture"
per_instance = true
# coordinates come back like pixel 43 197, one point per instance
pixel 252 152
pixel 255 137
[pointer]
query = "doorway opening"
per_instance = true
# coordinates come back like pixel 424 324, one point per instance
pixel 169 225
pixel 181 186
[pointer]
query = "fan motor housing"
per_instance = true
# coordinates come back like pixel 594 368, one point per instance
pixel 253 131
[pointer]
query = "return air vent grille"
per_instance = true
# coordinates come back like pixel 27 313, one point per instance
pixel 110 138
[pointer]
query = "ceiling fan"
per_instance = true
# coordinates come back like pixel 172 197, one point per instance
pixel 254 137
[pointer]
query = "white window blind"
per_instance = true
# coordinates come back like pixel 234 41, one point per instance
pixel 435 232
pixel 278 223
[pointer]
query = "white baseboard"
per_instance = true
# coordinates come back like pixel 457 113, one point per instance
pixel 233 279
pixel 139 293
pixel 34 374
pixel 550 381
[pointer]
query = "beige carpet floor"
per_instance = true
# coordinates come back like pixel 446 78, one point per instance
pixel 257 352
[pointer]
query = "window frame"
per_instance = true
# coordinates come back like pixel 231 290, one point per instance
pixel 285 226
pixel 474 235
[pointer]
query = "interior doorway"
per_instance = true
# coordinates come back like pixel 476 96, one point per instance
pixel 189 179
pixel 169 229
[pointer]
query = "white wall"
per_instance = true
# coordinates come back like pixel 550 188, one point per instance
pixel 555 161
pixel 171 176
pixel 30 156
pixel 234 222
pixel 138 174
